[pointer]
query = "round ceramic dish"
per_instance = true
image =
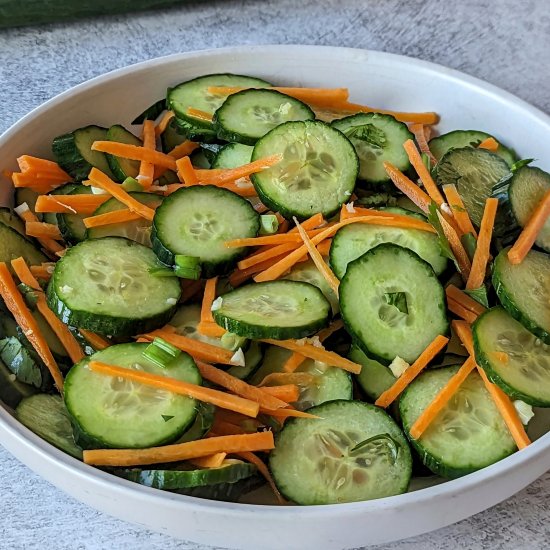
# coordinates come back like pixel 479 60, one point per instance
pixel 378 79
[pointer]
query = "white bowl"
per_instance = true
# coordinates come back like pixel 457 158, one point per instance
pixel 378 79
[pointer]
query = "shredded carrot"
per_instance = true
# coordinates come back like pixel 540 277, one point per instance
pixel 422 118
pixel 460 311
pixel 263 255
pixel 423 172
pixel 183 149
pixel 264 470
pixel 110 218
pixel 97 342
pixel 392 393
pixel 441 399
pixel 464 300
pixel 135 152
pixel 270 240
pixel 288 378
pixel 317 354
pixel 222 176
pixel 408 187
pixel 212 461
pixel 43 230
pixel 186 172
pixel 43 271
pixel 16 304
pixel 107 184
pixel 460 254
pixel 262 441
pixel 210 328
pixel 48 244
pixel 283 414
pixel 206 395
pixel 491 144
pixel 189 289
pixel 420 131
pixel 289 393
pixel 324 247
pixel 201 115
pixel 160 128
pixel 481 256
pixel 27 162
pixel 501 356
pixel 24 274
pixel 527 238
pixel 458 210
pixel 239 276
pixel 147 169
pixel 207 300
pixel 384 218
pixel 70 204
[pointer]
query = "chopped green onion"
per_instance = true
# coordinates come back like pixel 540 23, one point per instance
pixel 269 224
pixel 187 267
pixel 232 341
pixel 29 294
pixel 160 352
pixel 162 272
pixel 131 184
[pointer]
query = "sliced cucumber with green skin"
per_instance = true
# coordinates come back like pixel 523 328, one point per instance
pixel 120 167
pixel 353 452
pixel 523 290
pixel 374 377
pixel 381 328
pixel 24 194
pixel 12 391
pixel 152 112
pixel 527 188
pixel 201 425
pixel 171 138
pixel 307 272
pixel 469 432
pixel 233 155
pixel 105 285
pixel 323 383
pixel 13 245
pixel 525 374
pixel 354 240
pixel 73 152
pixel 47 417
pixel 112 412
pixel 194 94
pixel 24 364
pixel 137 230
pixel 317 173
pixel 196 221
pixel 199 159
pixel 71 226
pixel 9 218
pixel 377 138
pixel 274 309
pixel 466 138
pixel 247 116
pixel 194 130
pixel 474 172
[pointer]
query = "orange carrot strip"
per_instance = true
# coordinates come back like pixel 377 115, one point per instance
pixel 24 274
pixel 201 115
pixel 419 131
pixel 220 177
pixel 183 149
pixel 109 218
pixel 135 152
pixel 459 310
pixel 147 169
pixel 462 258
pixel 317 354
pixel 491 144
pixel 43 271
pixel 269 240
pixel 464 300
pixel 386 219
pixel 460 214
pixel 70 204
pixel 392 393
pixel 186 172
pixel 289 393
pixel 210 328
pixel 206 395
pixel 422 118
pixel 264 470
pixel 211 461
pixel 408 187
pixel 262 441
pixel 324 247
pixel 283 414
pixel 239 276
pixel 160 128
pixel 441 399
pixel 16 304
pixel 208 299
pixel 527 237
pixel 97 342
pixel 115 190
pixel 239 387
pixel 48 244
pixel 288 378
pixel 27 162
pixel 481 256
pixel 423 172
pixel 40 183
pixel 266 255
pixel 43 230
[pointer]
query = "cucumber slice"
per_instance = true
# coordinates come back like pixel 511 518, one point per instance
pixel 307 272
pixel 374 377
pixel 353 452
pixel 523 290
pixel 24 363
pixel 317 172
pixel 9 218
pixel 458 139
pixel 196 221
pixel 233 155
pixel 469 432
pixel 138 230
pixel 47 417
pixel 201 425
pixel 377 138
pixel 71 225
pixel 380 327
pixel 194 93
pixel 247 116
pixel 152 112
pixel 274 309
pixel 527 188
pixel 13 245
pixel 321 383
pixel 111 412
pixel 195 130
pixel 171 138
pixel 73 152
pixel 354 240
pixel 12 391
pixel 525 374
pixel 475 172
pixel 104 285
pixel 199 159
pixel 120 167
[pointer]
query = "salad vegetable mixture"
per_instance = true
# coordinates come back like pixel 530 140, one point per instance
pixel 263 284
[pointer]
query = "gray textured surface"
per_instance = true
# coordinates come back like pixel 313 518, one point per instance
pixel 505 42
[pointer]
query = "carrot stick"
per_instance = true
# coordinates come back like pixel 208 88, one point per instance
pixel 283 414
pixel 43 230
pixel 464 300
pixel 270 240
pixel 289 393
pixel 183 149
pixel 201 115
pixel 459 310
pixel 27 216
pixel 239 276
pixel 160 128
pixel 262 441
pixel 96 341
pixel 317 354
pixel 460 254
pixel 211 461
pixel 419 131
pixel 27 162
pixel 186 172
pixel 288 378
pixel 43 271
pixel 441 399
pixel 220 177
pixel 210 328
pixel 392 393
pixel 423 172
pixel 408 187
pixel 386 219
pixel 206 395
pixel 147 169
pixel 324 247
pixel 481 256
pixel 263 255
pixel 110 218
pixel 207 300
pixel 70 204
pixel 264 470
pixel 107 184
pixel 24 274
pixel 459 212
pixel 491 144
pixel 422 118
pixel 527 237
pixel 16 304
pixel 135 152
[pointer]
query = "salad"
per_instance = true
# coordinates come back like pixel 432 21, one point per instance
pixel 257 285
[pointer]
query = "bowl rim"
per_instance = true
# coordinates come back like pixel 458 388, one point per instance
pixel 37 445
